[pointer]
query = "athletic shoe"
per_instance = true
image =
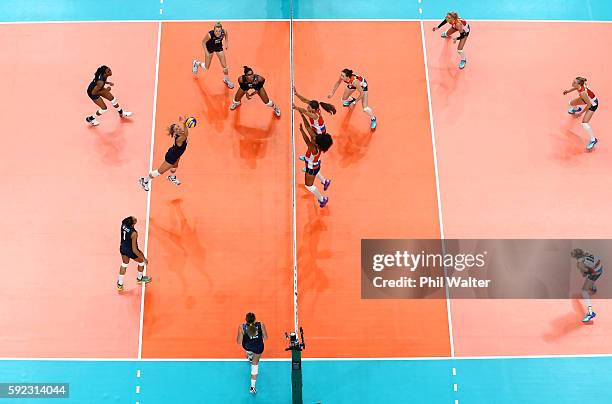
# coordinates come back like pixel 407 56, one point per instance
pixel 92 121
pixel 462 64
pixel 443 35
pixel 591 144
pixel 323 203
pixel 348 102
pixel 326 184
pixel 174 180
pixel 119 287
pixel 144 184
pixel 253 390
pixel 373 123
pixel 574 110
pixel 233 106
pixel 125 114
pixel 144 279
pixel 194 66
pixel 277 112
pixel 304 169
pixel 589 317
pixel 228 83
pixel 303 158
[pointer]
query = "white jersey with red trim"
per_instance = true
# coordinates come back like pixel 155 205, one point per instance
pixel 591 262
pixel 362 81
pixel 318 124
pixel 312 160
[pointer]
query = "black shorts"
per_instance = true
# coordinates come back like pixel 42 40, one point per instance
pixel 128 253
pixel 352 87
pixel 90 95
pixel 172 156
pixel 256 349
pixel 214 48
pixel 594 277
pixel 245 87
pixel 313 171
pixel 594 107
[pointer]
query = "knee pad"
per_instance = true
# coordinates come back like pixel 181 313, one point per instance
pixel 114 102
pixel 367 109
pixel 270 104
pixel 586 126
pixel 254 370
pixel 141 264
pixel 124 266
pixel 101 111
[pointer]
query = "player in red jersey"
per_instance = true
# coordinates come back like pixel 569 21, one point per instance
pixel 585 97
pixel 354 82
pixel 317 144
pixel 457 24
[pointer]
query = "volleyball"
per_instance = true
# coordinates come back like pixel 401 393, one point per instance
pixel 191 122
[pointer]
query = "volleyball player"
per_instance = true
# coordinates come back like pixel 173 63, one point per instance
pixel 179 132
pixel 100 88
pixel 591 269
pixel 249 85
pixel 354 82
pixel 129 251
pixel 251 336
pixel 317 144
pixel 457 24
pixel 587 98
pixel 215 42
pixel 313 112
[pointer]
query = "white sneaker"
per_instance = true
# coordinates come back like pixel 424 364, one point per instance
pixel 174 180
pixel 234 106
pixel 194 66
pixel 253 390
pixel 277 111
pixel 144 184
pixel 92 122
pixel 126 114
pixel 228 83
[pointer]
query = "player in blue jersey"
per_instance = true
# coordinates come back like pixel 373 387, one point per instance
pixel 129 251
pixel 251 336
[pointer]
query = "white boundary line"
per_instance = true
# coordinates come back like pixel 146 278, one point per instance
pixel 293 177
pixel 146 243
pixel 434 358
pixel 435 158
pixel 297 20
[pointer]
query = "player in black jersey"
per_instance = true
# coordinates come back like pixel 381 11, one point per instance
pixel 97 90
pixel 129 251
pixel 251 84
pixel 179 132
pixel 251 336
pixel 215 42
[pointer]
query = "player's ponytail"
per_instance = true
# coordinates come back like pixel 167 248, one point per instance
pixel 247 69
pixel 128 221
pixel 329 108
pixel 581 80
pixel 100 71
pixel 251 329
pixel 347 72
pixel 218 25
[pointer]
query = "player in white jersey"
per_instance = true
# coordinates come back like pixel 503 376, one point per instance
pixel 590 102
pixel 591 269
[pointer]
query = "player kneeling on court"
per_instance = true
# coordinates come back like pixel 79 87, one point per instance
pixel 251 336
pixel 129 250
pixel 591 268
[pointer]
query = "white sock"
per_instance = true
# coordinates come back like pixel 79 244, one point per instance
pixel 590 310
pixel 203 66
pixel 253 381
pixel 321 177
pixel 462 54
pixel 587 299
pixel 589 131
pixel 139 275
pixel 153 174
pixel 313 189
pixel 120 281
